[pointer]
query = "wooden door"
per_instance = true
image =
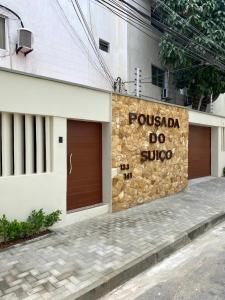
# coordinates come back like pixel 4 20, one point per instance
pixel 84 164
pixel 199 152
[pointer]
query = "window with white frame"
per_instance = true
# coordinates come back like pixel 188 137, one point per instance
pixel 2 33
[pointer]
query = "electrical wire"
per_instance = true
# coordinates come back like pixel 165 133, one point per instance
pixel 91 39
pixel 148 11
pixel 147 17
pixel 83 46
pixel 178 70
pixel 14 13
pixel 185 21
pixel 128 20
pixel 148 27
pixel 184 39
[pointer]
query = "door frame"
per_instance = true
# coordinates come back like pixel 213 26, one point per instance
pixel 211 150
pixel 106 168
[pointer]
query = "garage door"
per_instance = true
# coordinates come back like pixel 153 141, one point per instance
pixel 199 152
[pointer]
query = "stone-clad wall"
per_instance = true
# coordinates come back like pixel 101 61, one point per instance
pixel 147 180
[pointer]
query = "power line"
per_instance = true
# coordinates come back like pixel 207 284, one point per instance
pixel 147 26
pixel 14 13
pixel 129 20
pixel 83 48
pixel 183 39
pixel 147 17
pixel 179 70
pixel 148 11
pixel 193 29
pixel 91 39
pixel 140 22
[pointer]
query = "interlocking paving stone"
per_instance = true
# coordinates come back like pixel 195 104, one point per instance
pixel 82 254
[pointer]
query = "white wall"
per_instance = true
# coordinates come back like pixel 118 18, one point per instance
pixel 205 119
pixel 61 49
pixel 29 95
pixel 219 105
pixel 216 123
pixel 143 51
pixel 21 194
pixel 26 94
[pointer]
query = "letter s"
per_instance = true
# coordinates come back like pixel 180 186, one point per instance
pixel 144 156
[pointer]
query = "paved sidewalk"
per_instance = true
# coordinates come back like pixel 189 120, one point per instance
pixel 83 256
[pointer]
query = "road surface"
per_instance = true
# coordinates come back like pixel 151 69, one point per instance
pixel 195 272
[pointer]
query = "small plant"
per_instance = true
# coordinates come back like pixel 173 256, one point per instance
pixel 224 171
pixel 52 218
pixel 36 220
pixel 36 223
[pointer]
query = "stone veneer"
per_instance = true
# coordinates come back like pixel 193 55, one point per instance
pixel 150 179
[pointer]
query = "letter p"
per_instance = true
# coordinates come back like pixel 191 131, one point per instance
pixel 132 117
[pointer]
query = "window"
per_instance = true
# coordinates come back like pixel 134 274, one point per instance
pixel 103 45
pixel 158 76
pixel 2 33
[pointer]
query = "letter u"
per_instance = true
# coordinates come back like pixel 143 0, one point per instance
pixel 150 120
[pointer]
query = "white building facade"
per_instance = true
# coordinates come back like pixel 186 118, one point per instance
pixel 60 81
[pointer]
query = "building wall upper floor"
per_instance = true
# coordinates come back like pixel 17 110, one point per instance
pixel 63 51
pixel 61 48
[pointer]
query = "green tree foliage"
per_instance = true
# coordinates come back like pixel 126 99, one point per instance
pixel 201 29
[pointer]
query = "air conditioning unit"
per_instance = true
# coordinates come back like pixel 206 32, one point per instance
pixel 24 44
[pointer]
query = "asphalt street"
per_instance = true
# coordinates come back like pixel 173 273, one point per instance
pixel 195 272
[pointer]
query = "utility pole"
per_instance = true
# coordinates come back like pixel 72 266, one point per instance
pixel 117 86
pixel 137 82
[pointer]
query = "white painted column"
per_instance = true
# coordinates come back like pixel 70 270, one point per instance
pixel 0 144
pixel 7 144
pixel 29 144
pixel 221 150
pixel 48 143
pixel 18 144
pixel 39 144
pixel 216 151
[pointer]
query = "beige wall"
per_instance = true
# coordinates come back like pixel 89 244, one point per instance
pixel 150 179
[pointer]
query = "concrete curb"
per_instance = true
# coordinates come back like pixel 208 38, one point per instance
pixel 102 286
pixel 36 239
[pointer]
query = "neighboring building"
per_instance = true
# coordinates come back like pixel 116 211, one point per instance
pixel 60 48
pixel 66 142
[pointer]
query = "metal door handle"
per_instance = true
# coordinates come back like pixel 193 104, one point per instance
pixel 71 165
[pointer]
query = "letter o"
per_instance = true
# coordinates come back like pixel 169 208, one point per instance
pixel 141 119
pixel 161 138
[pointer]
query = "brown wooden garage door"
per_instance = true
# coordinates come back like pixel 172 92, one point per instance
pixel 84 157
pixel 199 152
